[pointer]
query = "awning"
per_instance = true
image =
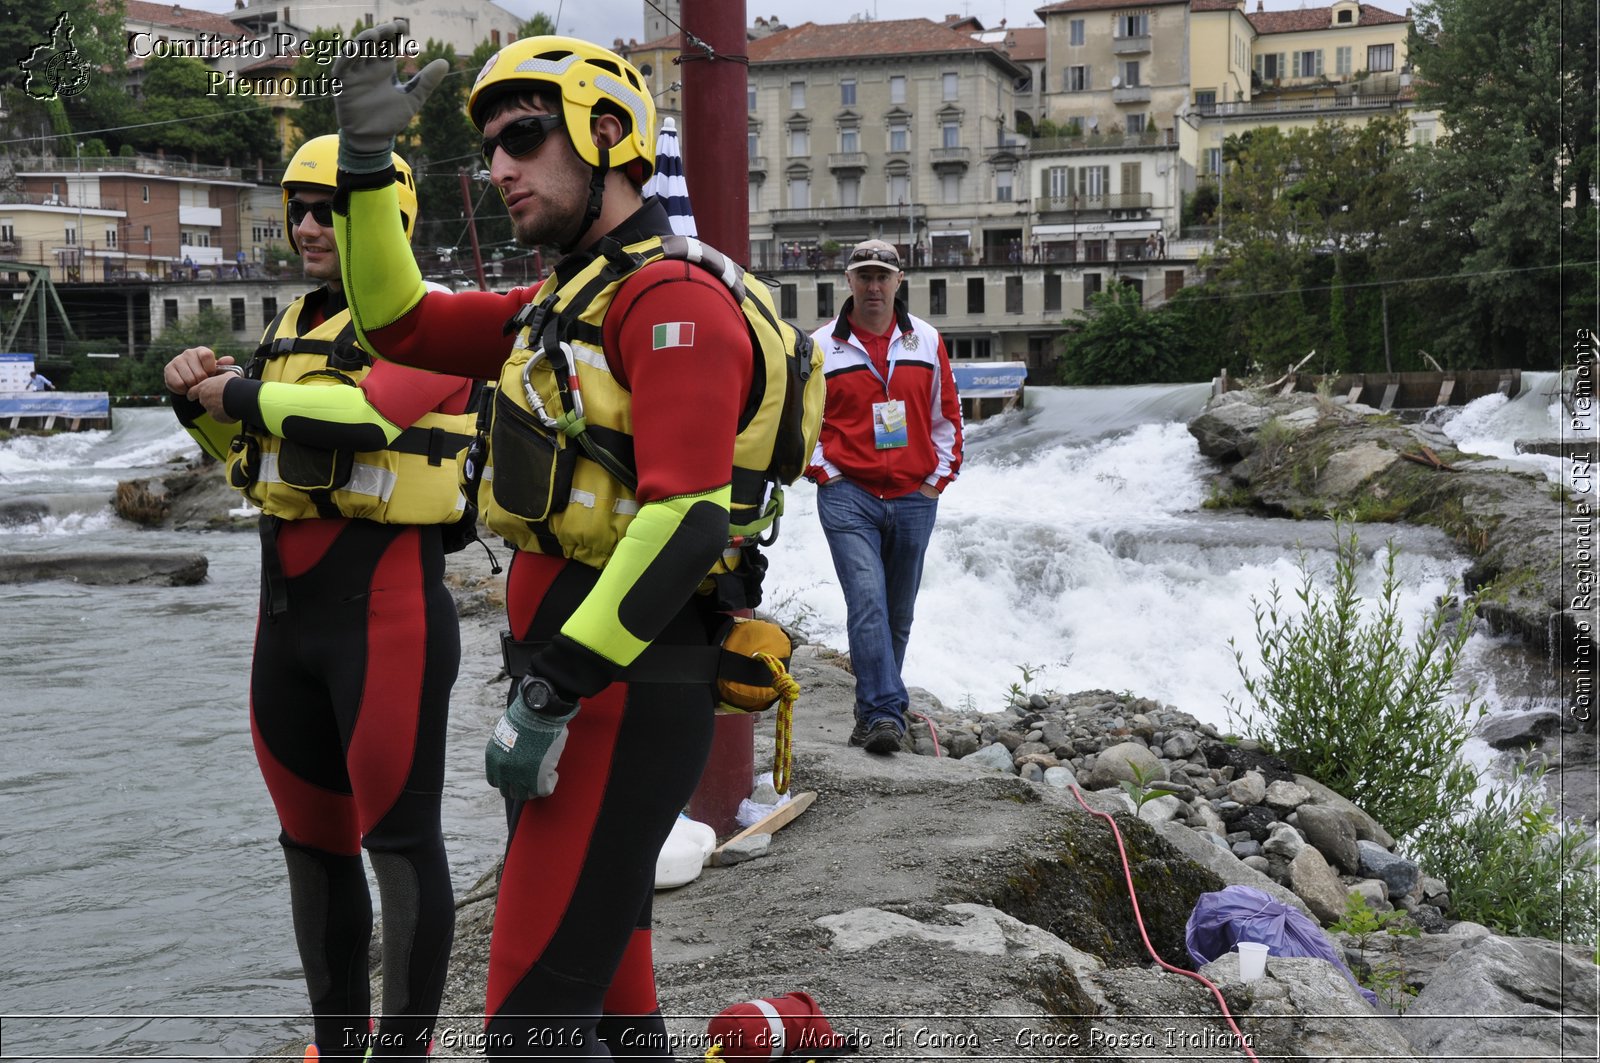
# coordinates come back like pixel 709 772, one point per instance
pixel 965 234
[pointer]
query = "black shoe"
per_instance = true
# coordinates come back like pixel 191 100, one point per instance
pixel 883 738
pixel 858 736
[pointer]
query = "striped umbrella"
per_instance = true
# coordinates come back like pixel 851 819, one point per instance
pixel 668 182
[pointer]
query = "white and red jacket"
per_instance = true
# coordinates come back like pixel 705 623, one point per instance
pixel 919 375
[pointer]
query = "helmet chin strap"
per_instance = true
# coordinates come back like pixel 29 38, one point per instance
pixel 597 190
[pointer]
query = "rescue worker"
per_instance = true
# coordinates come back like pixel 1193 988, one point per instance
pixel 356 468
pixel 610 590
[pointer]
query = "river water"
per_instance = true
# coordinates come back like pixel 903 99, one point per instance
pixel 144 904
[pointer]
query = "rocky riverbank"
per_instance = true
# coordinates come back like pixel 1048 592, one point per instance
pixel 943 907
pixel 1304 455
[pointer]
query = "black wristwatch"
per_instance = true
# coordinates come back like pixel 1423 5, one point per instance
pixel 541 697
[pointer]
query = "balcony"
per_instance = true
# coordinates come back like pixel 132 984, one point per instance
pixel 1130 45
pixel 847 161
pixel 142 164
pixel 1083 203
pixel 814 216
pixel 758 164
pixel 1131 94
pixel 950 158
pixel 1341 103
pixel 1103 141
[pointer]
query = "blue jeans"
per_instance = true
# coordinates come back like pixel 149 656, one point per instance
pixel 877 546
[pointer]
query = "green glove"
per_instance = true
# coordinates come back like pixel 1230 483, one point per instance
pixel 521 758
pixel 373 107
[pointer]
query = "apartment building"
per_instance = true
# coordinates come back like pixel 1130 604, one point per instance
pixel 1345 63
pixel 108 219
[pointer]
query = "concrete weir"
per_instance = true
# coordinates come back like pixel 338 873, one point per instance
pixel 104 567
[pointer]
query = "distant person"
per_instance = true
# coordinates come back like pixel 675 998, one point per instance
pixel 354 466
pixel 39 382
pixel 1161 245
pixel 1150 246
pixel 891 442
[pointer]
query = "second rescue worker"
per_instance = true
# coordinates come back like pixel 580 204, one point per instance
pixel 610 589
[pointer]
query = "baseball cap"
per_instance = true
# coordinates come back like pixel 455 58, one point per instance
pixel 873 253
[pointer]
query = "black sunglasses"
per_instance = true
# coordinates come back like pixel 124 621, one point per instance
pixel 520 137
pixel 321 213
pixel 873 254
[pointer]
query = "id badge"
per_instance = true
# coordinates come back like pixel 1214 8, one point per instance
pixel 889 424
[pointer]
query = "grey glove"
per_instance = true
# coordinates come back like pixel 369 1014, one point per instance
pixel 372 106
pixel 521 757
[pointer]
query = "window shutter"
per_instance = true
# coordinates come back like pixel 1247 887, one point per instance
pixel 1044 183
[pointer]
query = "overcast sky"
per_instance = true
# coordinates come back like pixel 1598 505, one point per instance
pixel 603 21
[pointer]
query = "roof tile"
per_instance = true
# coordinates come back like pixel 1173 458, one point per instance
pixel 845 40
pixel 185 18
pixel 1317 18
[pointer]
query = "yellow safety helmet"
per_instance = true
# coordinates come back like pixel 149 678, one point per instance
pixel 586 75
pixel 316 165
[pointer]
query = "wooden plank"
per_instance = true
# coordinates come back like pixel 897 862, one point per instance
pixel 770 822
pixel 1355 393
pixel 1444 393
pixel 1388 397
pixel 1288 389
pixel 50 422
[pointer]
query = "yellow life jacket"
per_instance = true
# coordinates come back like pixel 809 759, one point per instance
pixel 414 480
pixel 560 470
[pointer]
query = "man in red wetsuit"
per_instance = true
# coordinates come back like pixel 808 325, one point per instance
pixel 356 468
pixel 614 582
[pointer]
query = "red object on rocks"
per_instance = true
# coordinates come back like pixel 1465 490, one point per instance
pixel 791 1026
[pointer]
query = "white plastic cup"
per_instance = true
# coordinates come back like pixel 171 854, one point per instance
pixel 1252 960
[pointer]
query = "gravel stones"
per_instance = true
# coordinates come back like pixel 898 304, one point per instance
pixel 1241 799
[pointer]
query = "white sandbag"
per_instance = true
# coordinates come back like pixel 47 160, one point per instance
pixel 684 854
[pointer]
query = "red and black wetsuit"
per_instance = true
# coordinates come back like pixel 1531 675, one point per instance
pixel 357 647
pixel 570 972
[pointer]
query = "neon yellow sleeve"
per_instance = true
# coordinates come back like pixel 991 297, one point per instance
pixel 667 550
pixel 331 416
pixel 381 280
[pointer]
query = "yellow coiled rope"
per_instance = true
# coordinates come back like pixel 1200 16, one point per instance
pixel 788 693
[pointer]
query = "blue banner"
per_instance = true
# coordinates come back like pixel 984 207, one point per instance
pixel 989 380
pixel 55 403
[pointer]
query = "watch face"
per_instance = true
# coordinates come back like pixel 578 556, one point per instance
pixel 536 693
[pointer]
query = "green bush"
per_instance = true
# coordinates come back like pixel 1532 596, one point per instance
pixel 1348 702
pixel 1514 866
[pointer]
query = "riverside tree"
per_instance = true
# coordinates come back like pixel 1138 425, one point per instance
pixel 1303 214
pixel 209 129
pixel 1502 201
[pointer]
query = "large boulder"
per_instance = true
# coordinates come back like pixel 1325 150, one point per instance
pixel 1526 997
pixel 1226 429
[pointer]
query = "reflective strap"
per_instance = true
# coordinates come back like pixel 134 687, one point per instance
pixel 626 506
pixel 371 480
pixel 775 1025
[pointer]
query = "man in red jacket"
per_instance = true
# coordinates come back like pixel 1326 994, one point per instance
pixel 891 442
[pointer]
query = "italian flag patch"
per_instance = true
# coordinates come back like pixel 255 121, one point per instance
pixel 673 334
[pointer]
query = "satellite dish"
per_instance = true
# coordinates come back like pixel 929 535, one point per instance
pixel 1116 83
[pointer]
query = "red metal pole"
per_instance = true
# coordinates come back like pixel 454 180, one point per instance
pixel 477 257
pixel 716 166
pixel 716 156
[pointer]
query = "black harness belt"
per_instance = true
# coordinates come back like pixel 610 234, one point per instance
pixel 657 664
